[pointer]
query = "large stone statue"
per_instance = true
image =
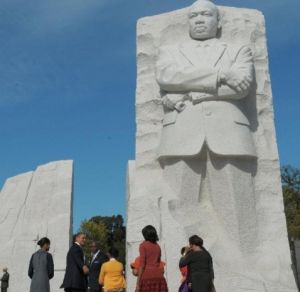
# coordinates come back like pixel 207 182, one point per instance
pixel 209 77
pixel 205 131
pixel 206 155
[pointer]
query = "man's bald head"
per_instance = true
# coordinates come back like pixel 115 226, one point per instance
pixel 204 20
pixel 206 3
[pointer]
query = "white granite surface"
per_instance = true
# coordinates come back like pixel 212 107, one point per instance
pixel 264 266
pixel 34 205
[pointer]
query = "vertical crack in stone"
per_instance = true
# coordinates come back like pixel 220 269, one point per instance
pixel 23 206
pixel 5 217
pixel 50 198
pixel 163 246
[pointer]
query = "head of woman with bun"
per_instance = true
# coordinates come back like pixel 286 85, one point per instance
pixel 44 243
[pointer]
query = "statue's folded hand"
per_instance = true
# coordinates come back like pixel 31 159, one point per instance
pixel 171 101
pixel 198 97
pixel 235 79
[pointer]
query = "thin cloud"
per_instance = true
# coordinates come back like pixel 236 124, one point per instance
pixel 47 45
pixel 30 60
pixel 58 15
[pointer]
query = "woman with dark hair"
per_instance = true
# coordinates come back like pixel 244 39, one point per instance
pixel 200 265
pixel 150 274
pixel 41 267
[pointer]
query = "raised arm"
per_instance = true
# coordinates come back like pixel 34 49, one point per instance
pixel 185 260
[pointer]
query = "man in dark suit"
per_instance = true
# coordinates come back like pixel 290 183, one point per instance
pixel 76 271
pixel 98 258
pixel 4 280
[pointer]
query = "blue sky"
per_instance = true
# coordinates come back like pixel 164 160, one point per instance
pixel 67 85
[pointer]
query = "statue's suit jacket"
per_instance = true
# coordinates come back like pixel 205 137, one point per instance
pixel 213 113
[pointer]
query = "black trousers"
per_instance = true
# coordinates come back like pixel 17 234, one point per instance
pixel 94 290
pixel 74 290
pixel 3 289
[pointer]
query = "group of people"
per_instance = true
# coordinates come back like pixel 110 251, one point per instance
pixel 105 273
pixel 196 266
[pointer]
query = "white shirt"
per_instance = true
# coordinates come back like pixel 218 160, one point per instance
pixel 94 256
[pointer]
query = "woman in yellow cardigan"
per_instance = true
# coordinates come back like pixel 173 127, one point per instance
pixel 112 273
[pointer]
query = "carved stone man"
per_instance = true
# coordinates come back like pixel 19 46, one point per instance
pixel 206 148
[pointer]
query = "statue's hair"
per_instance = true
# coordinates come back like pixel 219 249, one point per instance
pixel 210 3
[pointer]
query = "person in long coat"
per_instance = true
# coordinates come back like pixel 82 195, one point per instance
pixel 200 266
pixel 4 280
pixel 41 267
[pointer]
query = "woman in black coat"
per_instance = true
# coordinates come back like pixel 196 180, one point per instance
pixel 200 266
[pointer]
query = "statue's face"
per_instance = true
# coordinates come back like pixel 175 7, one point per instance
pixel 203 20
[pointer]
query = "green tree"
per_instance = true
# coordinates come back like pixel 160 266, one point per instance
pixel 116 232
pixel 95 232
pixel 290 177
pixel 108 231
